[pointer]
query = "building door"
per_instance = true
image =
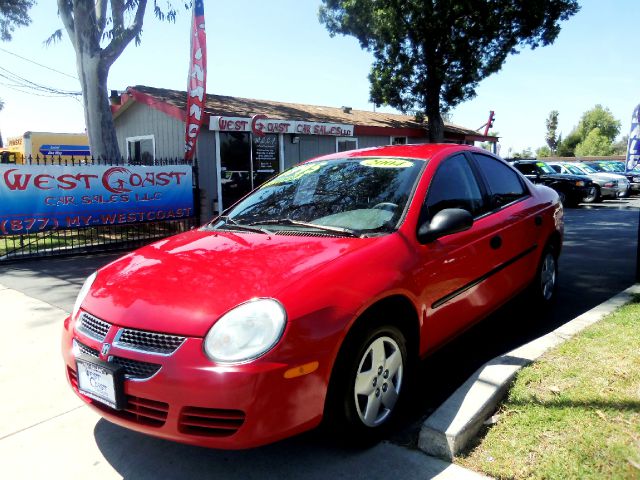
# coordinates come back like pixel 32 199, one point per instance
pixel 246 162
pixel 235 166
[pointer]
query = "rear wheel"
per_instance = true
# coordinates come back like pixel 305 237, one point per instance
pixel 543 288
pixel 368 384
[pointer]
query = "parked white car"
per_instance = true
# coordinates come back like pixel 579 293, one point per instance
pixel 608 185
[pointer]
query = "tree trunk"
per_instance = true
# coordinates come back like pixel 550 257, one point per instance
pixel 432 101
pixel 93 70
pixel 97 111
pixel 436 125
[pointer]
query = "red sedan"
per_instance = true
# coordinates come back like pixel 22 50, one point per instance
pixel 313 297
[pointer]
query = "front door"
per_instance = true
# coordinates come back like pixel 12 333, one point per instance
pixel 246 162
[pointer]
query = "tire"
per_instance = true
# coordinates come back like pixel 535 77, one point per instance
pixel 368 386
pixel 543 288
pixel 594 196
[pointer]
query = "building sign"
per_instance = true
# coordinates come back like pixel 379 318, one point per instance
pixel 265 154
pixel 46 197
pixel 71 150
pixel 260 125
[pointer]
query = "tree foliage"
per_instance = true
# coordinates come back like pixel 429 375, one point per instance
pixel 567 147
pixel 552 131
pixel 594 134
pixel 543 152
pixel 430 55
pixel 602 119
pixel 525 153
pixel 13 13
pixel 595 144
pixel 99 31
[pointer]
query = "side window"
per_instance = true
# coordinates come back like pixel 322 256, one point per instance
pixel 504 184
pixel 557 168
pixel 526 168
pixel 453 186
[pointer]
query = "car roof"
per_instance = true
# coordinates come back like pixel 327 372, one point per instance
pixel 424 151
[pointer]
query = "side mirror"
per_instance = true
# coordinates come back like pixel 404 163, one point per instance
pixel 445 222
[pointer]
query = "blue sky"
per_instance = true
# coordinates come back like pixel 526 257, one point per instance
pixel 279 51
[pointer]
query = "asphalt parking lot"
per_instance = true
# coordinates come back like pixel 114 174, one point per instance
pixel 597 262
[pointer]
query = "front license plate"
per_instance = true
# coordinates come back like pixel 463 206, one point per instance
pixel 100 381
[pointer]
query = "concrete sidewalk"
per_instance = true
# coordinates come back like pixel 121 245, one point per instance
pixel 47 431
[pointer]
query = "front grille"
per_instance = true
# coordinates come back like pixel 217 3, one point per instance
pixel 145 411
pixel 137 409
pixel 151 342
pixel 210 422
pixel 135 369
pixel 92 352
pixel 92 326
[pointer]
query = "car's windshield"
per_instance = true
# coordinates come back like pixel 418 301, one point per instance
pixel 575 170
pixel 586 168
pixel 545 167
pixel 357 195
pixel 616 166
pixel 598 168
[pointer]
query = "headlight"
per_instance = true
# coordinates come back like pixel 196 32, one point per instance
pixel 83 293
pixel 247 332
pixel 636 179
pixel 580 183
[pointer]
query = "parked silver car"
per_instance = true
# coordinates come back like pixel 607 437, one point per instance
pixel 608 185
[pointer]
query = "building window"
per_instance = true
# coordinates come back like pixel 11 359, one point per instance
pixel 399 140
pixel 346 143
pixel 141 150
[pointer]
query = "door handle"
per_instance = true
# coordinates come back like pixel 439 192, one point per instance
pixel 496 242
pixel 538 220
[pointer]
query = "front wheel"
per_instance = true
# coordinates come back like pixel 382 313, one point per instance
pixel 368 384
pixel 593 196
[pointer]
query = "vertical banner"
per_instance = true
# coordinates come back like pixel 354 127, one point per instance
pixel 633 147
pixel 197 81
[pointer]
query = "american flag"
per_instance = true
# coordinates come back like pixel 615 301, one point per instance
pixel 197 81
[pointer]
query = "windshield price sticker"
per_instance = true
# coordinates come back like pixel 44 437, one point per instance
pixel 540 164
pixel 296 173
pixel 386 163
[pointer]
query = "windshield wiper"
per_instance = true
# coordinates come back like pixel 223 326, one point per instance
pixel 326 228
pixel 230 222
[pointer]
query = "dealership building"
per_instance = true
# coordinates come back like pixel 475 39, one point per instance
pixel 243 141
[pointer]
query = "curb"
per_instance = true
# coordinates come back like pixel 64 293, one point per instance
pixel 450 428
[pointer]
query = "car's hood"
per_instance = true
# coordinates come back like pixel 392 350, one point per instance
pixel 608 176
pixel 183 284
pixel 571 178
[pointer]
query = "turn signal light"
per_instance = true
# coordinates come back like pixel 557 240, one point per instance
pixel 301 370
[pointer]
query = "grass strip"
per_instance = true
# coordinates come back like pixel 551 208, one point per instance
pixel 575 413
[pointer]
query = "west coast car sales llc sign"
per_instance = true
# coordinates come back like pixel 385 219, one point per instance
pixel 46 197
pixel 260 126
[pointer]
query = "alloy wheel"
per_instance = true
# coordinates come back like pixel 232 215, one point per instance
pixel 548 276
pixel 378 381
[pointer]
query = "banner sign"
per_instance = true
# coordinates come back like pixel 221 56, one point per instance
pixel 633 147
pixel 197 81
pixel 46 197
pixel 261 125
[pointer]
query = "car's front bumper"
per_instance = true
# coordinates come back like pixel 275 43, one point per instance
pixel 191 400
